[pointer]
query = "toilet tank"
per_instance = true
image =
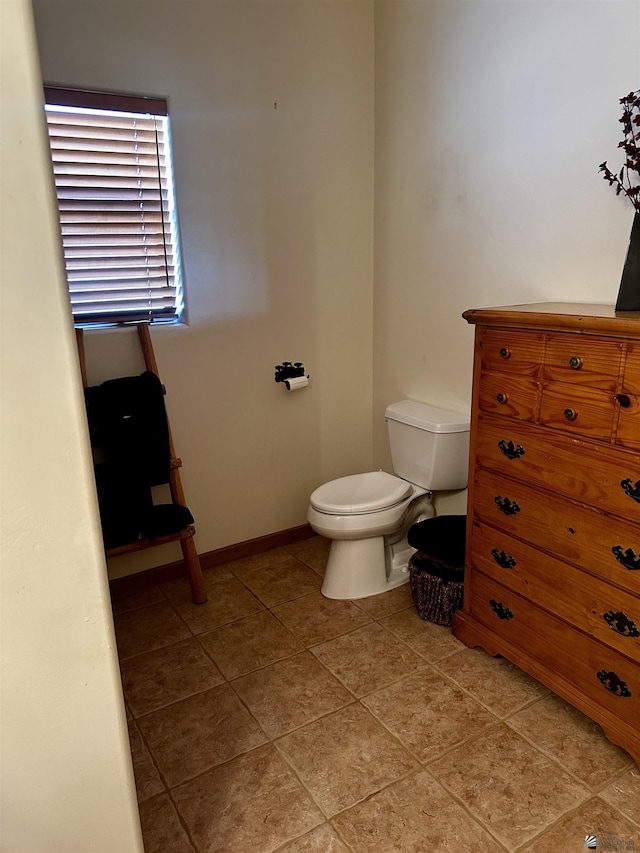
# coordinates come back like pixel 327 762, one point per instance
pixel 429 445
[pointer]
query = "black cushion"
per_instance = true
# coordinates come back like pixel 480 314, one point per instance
pixel 164 519
pixel 441 539
pixel 127 511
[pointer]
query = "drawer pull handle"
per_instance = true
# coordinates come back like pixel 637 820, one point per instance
pixel 501 398
pixel 631 490
pixel 505 353
pixel 624 400
pixel 507 506
pixel 500 610
pixel 613 683
pixel 514 451
pixel 502 559
pixel 626 558
pixel 621 624
pixel 570 414
pixel 575 363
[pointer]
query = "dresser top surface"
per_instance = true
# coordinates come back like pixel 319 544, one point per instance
pixel 578 317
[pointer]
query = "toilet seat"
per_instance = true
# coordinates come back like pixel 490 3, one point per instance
pixel 361 493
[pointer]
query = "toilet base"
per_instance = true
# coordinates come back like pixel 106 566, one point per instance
pixel 358 568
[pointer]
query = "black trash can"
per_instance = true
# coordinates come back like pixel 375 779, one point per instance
pixel 436 570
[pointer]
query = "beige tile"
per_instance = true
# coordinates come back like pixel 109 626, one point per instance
pixel 428 713
pixel 414 815
pixel 494 681
pixel 217 573
pixel 283 581
pixel 148 781
pixel 178 590
pixel 368 658
pixel 158 678
pixel 379 606
pixel 432 641
pixel 250 643
pixel 508 785
pixel 574 740
pixel 161 828
pixel 624 794
pixel 197 733
pixel 314 618
pixel 611 829
pixel 344 757
pixel 314 552
pixel 320 840
pixel 130 596
pixel 242 568
pixel 290 693
pixel 228 601
pixel 239 794
pixel 252 804
pixel 149 628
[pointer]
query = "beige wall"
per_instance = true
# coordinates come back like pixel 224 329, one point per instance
pixel 67 782
pixel 491 121
pixel 491 118
pixel 276 217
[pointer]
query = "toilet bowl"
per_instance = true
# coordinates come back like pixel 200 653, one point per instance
pixel 369 554
pixel 367 516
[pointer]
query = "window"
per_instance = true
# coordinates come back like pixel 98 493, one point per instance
pixel 113 176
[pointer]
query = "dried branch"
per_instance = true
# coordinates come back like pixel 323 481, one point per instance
pixel 627 182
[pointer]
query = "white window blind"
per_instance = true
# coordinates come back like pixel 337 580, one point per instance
pixel 113 176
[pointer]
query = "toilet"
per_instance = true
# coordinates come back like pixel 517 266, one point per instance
pixel 367 516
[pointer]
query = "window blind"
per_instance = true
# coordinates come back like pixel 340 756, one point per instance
pixel 113 177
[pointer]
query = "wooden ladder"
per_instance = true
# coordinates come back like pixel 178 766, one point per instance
pixel 185 536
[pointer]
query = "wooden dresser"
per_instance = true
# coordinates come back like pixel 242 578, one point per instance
pixel 552 578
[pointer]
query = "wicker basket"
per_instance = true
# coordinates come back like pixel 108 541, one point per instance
pixel 436 588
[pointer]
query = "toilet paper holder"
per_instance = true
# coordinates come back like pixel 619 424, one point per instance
pixel 289 370
pixel 292 374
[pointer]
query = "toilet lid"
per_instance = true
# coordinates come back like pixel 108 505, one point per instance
pixel 360 493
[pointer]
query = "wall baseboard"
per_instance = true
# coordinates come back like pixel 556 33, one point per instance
pixel 210 559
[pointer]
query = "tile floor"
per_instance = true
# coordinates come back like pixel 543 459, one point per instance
pixel 273 719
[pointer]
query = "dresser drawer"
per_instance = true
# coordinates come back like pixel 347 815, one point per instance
pixel 508 395
pixel 570 466
pixel 628 434
pixel 583 361
pixel 595 669
pixel 605 545
pixel 578 410
pixel 511 352
pixel 595 607
pixel 631 382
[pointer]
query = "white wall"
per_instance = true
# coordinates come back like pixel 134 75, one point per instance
pixel 491 120
pixel 276 216
pixel 67 782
